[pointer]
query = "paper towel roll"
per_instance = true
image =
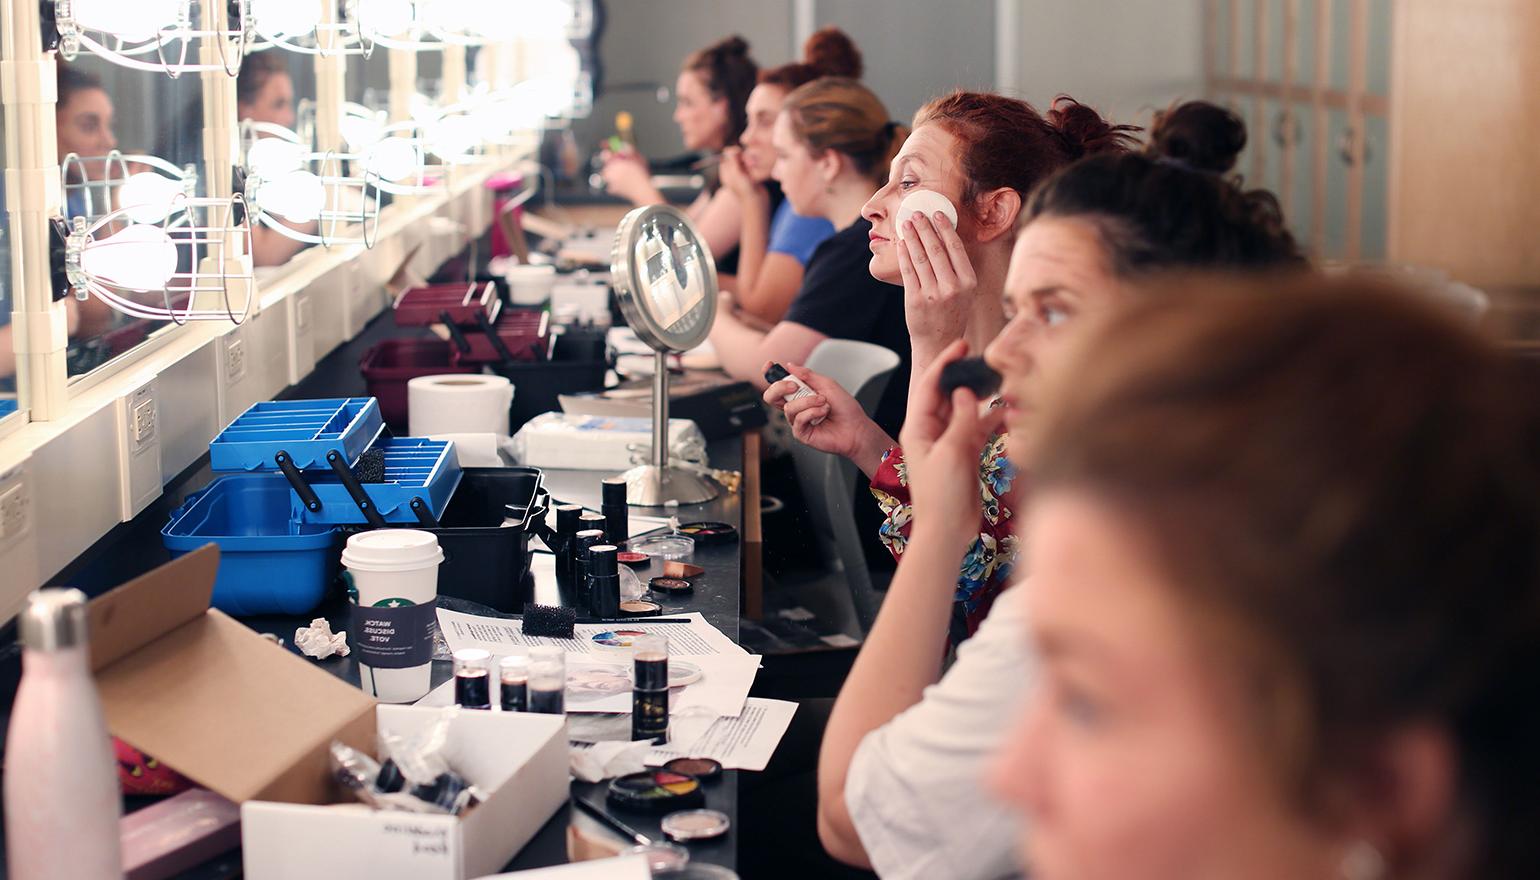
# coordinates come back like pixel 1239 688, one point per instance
pixel 463 404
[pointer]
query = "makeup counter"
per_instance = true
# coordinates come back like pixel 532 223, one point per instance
pixel 135 548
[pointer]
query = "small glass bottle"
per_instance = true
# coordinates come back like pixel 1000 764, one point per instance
pixel 513 679
pixel 547 680
pixel 473 678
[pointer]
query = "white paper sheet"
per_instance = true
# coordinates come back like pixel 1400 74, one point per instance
pixel 743 743
pixel 619 868
pixel 599 676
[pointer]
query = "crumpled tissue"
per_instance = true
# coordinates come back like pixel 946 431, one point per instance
pixel 317 640
pixel 606 760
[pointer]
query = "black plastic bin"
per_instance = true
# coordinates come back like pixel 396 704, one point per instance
pixel 484 561
pixel 578 364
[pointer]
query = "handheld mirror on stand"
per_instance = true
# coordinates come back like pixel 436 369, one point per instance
pixel 666 283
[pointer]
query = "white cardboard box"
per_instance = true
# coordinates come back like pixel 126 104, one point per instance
pixel 254 722
pixel 519 759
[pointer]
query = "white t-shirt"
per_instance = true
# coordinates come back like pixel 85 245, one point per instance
pixel 915 789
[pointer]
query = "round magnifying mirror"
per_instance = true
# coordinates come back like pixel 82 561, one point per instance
pixel 666 283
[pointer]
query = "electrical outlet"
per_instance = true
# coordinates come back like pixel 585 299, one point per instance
pixel 15 511
pixel 144 422
pixel 235 359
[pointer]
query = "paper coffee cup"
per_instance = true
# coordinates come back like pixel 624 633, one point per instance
pixel 393 581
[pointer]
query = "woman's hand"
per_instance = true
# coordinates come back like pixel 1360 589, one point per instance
pixel 735 177
pixel 943 440
pixel 627 176
pixel 940 286
pixel 829 420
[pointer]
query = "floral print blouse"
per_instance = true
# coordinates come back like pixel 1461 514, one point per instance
pixel 987 567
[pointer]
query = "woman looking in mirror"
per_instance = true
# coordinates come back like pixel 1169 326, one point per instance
pixel 775 242
pixel 1285 596
pixel 711 97
pixel 901 735
pixel 833 142
pixel 264 92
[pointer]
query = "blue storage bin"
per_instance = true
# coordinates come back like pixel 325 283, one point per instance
pixel 306 429
pixel 415 467
pixel 268 564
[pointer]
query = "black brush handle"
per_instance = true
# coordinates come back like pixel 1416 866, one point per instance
pixel 454 333
pixel 497 341
pixel 297 481
pixel 355 491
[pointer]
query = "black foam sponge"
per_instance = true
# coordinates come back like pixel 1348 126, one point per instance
pixel 971 373
pixel 546 620
pixel 370 467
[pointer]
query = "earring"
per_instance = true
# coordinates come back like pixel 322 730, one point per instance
pixel 1362 862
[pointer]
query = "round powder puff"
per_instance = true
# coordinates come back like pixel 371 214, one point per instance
pixel 926 202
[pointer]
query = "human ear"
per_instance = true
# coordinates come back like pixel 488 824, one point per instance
pixel 995 213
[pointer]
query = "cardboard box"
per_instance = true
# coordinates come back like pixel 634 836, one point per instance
pixel 253 722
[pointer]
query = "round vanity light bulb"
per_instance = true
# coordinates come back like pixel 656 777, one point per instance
pixel 384 18
pixel 927 202
pixel 297 196
pixel 459 16
pixel 148 197
pixel 360 132
pixel 272 157
pixel 454 137
pixel 135 22
pixel 275 19
pixel 138 257
pixel 394 158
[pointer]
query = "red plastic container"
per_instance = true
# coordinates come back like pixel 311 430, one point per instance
pixel 524 331
pixel 422 306
pixel 388 366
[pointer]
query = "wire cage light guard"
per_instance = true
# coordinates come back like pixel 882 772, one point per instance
pixel 344 201
pixel 123 262
pixel 155 36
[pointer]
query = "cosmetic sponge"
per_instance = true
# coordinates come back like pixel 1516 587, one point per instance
pixel 927 202
pixel 370 467
pixel 546 620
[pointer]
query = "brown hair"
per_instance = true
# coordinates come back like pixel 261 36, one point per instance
pixel 838 113
pixel 828 52
pixel 1342 479
pixel 1007 143
pixel 1171 205
pixel 728 73
pixel 256 69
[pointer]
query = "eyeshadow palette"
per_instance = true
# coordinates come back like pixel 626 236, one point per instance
pixel 704 769
pixel 656 791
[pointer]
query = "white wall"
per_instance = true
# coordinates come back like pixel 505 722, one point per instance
pixel 1126 58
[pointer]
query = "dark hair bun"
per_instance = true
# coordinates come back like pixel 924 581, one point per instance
pixel 1084 131
pixel 733 46
pixel 831 52
pixel 1204 136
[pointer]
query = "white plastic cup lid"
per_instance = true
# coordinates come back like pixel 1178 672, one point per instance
pixel 392 550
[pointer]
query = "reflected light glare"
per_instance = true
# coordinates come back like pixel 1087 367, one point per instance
pixel 133 21
pixel 384 18
pixel 272 157
pixel 394 158
pixel 454 137
pixel 546 95
pixel 148 196
pixel 139 257
pixel 459 16
pixel 360 132
pixel 285 18
pixel 298 196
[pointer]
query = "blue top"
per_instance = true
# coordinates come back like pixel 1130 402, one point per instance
pixel 796 235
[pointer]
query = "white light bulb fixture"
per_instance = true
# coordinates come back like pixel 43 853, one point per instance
pixel 152 35
pixel 287 194
pixel 394 159
pixel 148 186
pixel 119 260
pixel 397 24
pixel 278 21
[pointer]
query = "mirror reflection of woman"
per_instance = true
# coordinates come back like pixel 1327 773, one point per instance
pixel 711 96
pixel 264 92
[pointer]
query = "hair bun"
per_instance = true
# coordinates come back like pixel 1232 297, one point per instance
pixel 734 45
pixel 831 52
pixel 1204 136
pixel 1084 130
